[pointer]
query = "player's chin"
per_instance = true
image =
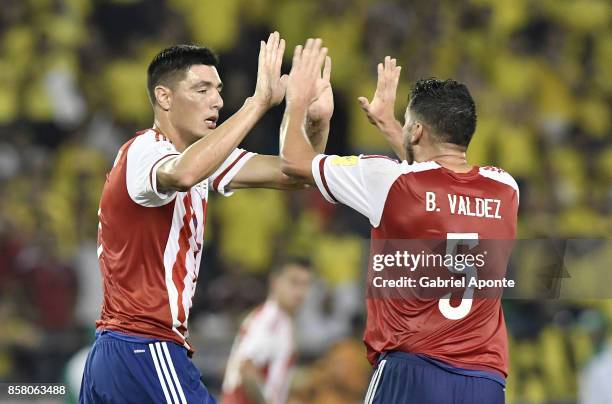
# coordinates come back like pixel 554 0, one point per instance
pixel 203 131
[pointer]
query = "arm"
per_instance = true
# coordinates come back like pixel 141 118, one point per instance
pixel 265 171
pixel 252 382
pixel 381 111
pixel 297 153
pixel 203 157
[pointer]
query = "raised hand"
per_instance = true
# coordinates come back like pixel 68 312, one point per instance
pixel 322 107
pixel 381 111
pixel 270 87
pixel 305 71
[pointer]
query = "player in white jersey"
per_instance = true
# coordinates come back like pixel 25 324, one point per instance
pixel 260 365
pixel 152 215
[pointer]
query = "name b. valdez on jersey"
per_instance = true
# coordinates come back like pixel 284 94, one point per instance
pixel 465 205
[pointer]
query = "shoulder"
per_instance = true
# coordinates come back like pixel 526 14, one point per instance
pixel 378 158
pixel 354 160
pixel 272 316
pixel 499 175
pixel 401 167
pixel 149 138
pixel 419 167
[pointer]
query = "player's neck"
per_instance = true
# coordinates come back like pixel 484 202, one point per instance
pixel 451 157
pixel 165 128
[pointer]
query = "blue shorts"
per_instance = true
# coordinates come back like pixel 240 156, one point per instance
pixel 404 378
pixel 121 368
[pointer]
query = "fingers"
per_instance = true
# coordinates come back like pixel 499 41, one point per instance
pixel 327 69
pixel 391 70
pixel 364 104
pixel 305 80
pixel 322 56
pixel 388 78
pixel 392 73
pixel 279 56
pixel 262 54
pixel 271 46
pixel 271 52
pixel 381 81
pixel 297 57
pixel 311 57
pixel 283 80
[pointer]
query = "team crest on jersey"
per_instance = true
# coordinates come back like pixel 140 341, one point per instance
pixel 202 188
pixel 345 161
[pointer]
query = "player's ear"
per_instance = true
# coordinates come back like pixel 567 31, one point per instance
pixel 163 95
pixel 417 133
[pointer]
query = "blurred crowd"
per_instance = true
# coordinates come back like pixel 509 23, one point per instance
pixel 73 76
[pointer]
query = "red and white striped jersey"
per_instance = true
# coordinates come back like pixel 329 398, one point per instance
pixel 265 338
pixel 150 242
pixel 425 201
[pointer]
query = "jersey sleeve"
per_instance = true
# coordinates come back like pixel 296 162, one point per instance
pixel 221 178
pixel 360 182
pixel 144 157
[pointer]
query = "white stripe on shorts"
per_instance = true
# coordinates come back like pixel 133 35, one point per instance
pixel 160 355
pixel 159 374
pixel 367 396
pixel 173 372
pixel 374 382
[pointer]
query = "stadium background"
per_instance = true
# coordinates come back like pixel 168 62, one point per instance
pixel 72 76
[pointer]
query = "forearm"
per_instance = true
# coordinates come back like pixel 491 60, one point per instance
pixel 318 132
pixel 203 157
pixel 393 134
pixel 296 151
pixel 263 171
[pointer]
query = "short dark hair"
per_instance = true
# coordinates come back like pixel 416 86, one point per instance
pixel 170 63
pixel 446 106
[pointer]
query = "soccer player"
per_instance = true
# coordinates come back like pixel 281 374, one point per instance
pixel 260 365
pixel 424 350
pixel 152 215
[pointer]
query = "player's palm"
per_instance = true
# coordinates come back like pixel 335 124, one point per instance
pixel 270 87
pixel 277 89
pixel 381 111
pixel 322 107
pixel 305 73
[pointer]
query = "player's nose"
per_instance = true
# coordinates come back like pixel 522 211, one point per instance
pixel 217 102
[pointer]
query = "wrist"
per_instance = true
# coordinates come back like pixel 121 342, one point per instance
pixel 297 105
pixel 255 102
pixel 390 127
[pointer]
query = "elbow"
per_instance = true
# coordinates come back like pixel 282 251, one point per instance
pixel 291 168
pixel 285 165
pixel 184 184
pixel 175 176
pixel 180 181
